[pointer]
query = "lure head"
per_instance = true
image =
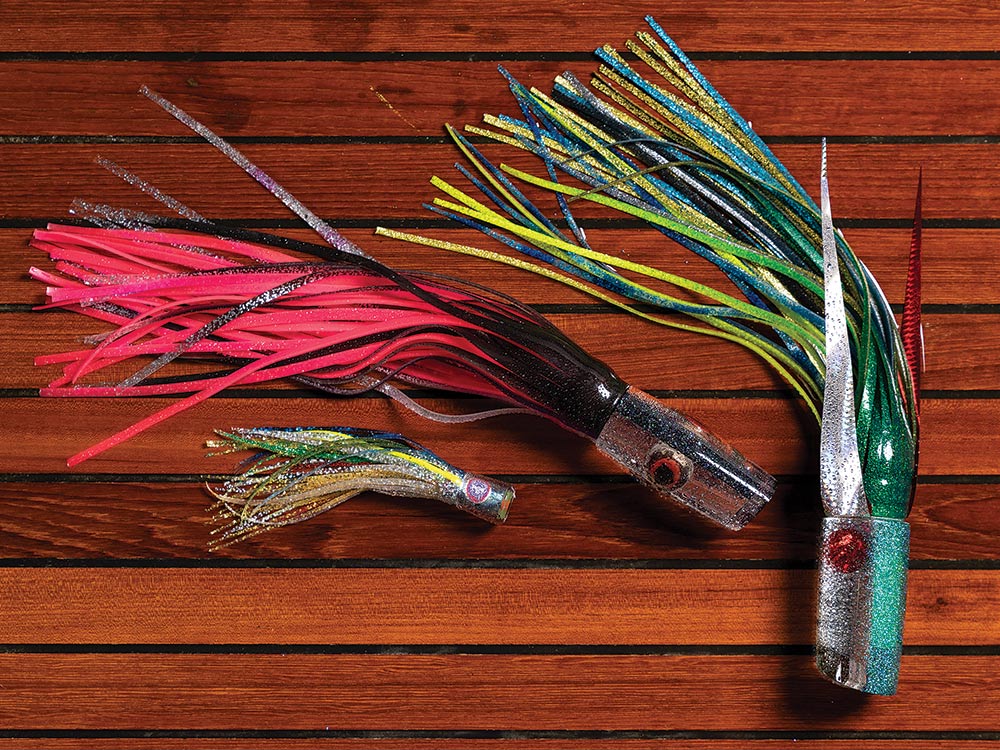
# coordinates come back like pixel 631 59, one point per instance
pixel 481 496
pixel 678 457
pixel 862 598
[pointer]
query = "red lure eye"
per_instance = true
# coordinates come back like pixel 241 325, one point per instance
pixel 845 550
pixel 665 471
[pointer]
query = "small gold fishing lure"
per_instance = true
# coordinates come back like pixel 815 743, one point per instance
pixel 299 472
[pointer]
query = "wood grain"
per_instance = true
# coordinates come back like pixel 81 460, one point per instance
pixel 460 606
pixel 373 182
pixel 517 25
pixel 337 98
pixel 562 521
pixel 482 692
pixel 773 432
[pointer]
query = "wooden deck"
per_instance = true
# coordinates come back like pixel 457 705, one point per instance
pixel 596 617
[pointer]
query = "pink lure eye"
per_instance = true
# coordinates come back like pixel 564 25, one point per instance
pixel 477 490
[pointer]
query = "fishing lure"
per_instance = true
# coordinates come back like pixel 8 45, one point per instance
pixel 667 148
pixel 346 324
pixel 297 473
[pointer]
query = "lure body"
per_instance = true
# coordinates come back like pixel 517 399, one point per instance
pixel 863 558
pixel 863 563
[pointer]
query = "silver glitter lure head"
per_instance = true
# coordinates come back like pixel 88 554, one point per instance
pixel 481 496
pixel 677 457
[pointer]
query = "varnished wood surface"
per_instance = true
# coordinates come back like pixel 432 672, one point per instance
pixel 415 606
pixel 521 25
pixel 875 182
pixel 483 692
pixel 253 99
pixel 600 519
pixel 597 616
pixel 43 433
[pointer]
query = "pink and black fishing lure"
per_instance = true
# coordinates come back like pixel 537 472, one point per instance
pixel 269 307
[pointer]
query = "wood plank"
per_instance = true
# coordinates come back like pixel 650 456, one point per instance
pixel 44 432
pixel 462 606
pixel 442 692
pixel 774 433
pixel 600 521
pixel 336 98
pixel 519 25
pixel 961 352
pixel 389 181
pixel 959 265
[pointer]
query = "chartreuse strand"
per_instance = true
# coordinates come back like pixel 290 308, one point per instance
pixel 474 209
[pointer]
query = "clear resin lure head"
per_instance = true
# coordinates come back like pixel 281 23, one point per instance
pixel 655 141
pixel 338 320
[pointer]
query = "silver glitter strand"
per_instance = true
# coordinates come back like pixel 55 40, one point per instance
pixel 149 189
pixel 841 487
pixel 324 230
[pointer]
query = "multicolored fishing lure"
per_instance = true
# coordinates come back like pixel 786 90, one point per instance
pixel 344 323
pixel 299 472
pixel 669 149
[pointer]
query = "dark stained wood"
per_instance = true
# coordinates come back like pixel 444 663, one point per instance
pixel 389 181
pixel 460 606
pixel 44 432
pixel 959 264
pixel 483 691
pixel 786 97
pixel 520 25
pixel 618 521
pixel 774 432
pixel 960 352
